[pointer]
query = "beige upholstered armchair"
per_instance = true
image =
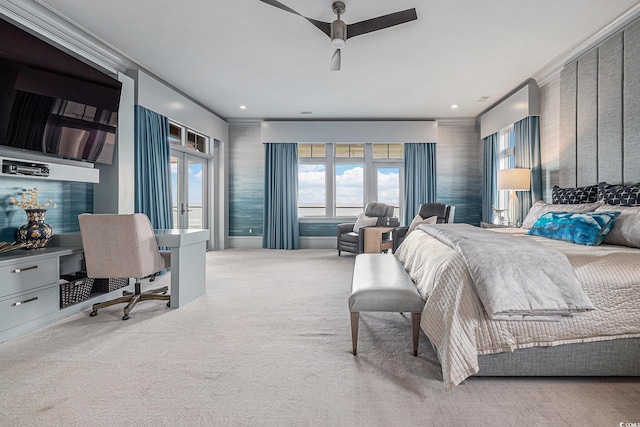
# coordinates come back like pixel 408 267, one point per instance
pixel 122 246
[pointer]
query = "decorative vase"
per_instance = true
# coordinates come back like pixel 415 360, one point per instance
pixel 35 234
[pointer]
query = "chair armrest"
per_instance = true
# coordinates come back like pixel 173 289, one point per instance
pixel 400 232
pixel 345 227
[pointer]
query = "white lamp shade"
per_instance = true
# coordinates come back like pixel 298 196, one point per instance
pixel 514 179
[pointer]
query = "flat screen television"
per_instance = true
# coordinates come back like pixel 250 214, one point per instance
pixel 53 103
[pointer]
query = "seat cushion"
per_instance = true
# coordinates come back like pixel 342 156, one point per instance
pixel 350 237
pixel 380 283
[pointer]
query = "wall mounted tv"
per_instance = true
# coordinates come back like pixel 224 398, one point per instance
pixel 53 103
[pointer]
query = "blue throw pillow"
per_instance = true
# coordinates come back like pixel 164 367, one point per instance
pixel 584 228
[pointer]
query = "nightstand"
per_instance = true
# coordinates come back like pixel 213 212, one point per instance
pixel 377 239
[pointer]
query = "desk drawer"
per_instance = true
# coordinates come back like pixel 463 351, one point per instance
pixel 26 275
pixel 28 306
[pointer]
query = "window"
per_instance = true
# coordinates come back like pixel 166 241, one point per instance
pixel 189 158
pixel 349 185
pixel 184 137
pixel 337 180
pixel 506 160
pixel 311 190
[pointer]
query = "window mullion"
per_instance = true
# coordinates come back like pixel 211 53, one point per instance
pixel 330 173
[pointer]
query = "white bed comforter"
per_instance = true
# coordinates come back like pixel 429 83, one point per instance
pixel 541 285
pixel 454 320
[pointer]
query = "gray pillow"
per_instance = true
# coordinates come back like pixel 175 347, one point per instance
pixel 540 208
pixel 626 229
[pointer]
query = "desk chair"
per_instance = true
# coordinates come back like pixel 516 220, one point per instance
pixel 123 246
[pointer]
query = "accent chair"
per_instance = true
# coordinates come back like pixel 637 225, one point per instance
pixel 443 212
pixel 123 246
pixel 351 240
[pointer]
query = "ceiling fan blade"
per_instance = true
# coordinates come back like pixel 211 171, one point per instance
pixel 381 22
pixel 335 60
pixel 325 27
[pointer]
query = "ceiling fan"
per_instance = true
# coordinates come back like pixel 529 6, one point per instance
pixel 339 32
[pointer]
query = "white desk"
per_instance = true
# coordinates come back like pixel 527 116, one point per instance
pixel 188 263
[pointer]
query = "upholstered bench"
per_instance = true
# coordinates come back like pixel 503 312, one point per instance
pixel 380 283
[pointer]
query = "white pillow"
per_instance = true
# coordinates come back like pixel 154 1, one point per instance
pixel 540 208
pixel 417 220
pixel 364 221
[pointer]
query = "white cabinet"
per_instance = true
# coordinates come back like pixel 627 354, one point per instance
pixel 30 290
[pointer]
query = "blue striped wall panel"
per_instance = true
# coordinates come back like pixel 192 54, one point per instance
pixel 72 198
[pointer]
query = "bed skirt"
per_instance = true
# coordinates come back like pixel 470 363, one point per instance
pixel 619 357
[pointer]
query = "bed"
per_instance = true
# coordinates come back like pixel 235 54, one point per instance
pixel 602 342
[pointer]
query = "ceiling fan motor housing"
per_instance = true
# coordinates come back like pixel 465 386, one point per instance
pixel 338 27
pixel 338 34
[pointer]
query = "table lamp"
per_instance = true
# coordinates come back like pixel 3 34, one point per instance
pixel 514 180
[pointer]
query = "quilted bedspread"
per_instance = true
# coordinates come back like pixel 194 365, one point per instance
pixel 455 322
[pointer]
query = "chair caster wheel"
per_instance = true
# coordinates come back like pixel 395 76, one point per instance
pixel 125 317
pixel 93 313
pixel 169 304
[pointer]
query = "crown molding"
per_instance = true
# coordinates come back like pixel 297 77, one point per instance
pixel 65 35
pixel 552 70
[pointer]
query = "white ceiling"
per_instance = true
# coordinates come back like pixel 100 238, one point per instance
pixel 244 52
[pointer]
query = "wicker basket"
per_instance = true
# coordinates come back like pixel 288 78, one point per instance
pixel 77 289
pixel 101 286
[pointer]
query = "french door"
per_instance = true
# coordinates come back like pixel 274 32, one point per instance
pixel 189 188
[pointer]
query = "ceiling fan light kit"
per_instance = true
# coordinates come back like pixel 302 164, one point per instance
pixel 339 32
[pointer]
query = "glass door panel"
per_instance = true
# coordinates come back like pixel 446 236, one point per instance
pixel 189 190
pixel 196 196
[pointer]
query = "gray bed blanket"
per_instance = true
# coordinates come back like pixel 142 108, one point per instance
pixel 515 278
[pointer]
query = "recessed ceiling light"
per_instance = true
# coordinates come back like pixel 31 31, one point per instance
pixel 243 107
pixel 454 106
pixel 483 98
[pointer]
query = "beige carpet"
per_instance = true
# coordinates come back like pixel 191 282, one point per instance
pixel 270 345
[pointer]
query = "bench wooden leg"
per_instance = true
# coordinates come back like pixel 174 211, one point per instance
pixel 415 320
pixel 355 318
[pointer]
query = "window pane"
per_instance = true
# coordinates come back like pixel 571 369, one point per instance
pixel 174 188
pixel 201 143
pixel 349 150
pixel 342 150
pixel 318 150
pixel 396 151
pixel 356 150
pixel 175 134
pixel 195 193
pixel 191 140
pixel 349 189
pixel 304 150
pixel 311 190
pixel 380 151
pixel 389 187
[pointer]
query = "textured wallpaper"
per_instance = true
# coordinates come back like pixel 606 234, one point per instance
pixel 72 198
pixel 459 163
